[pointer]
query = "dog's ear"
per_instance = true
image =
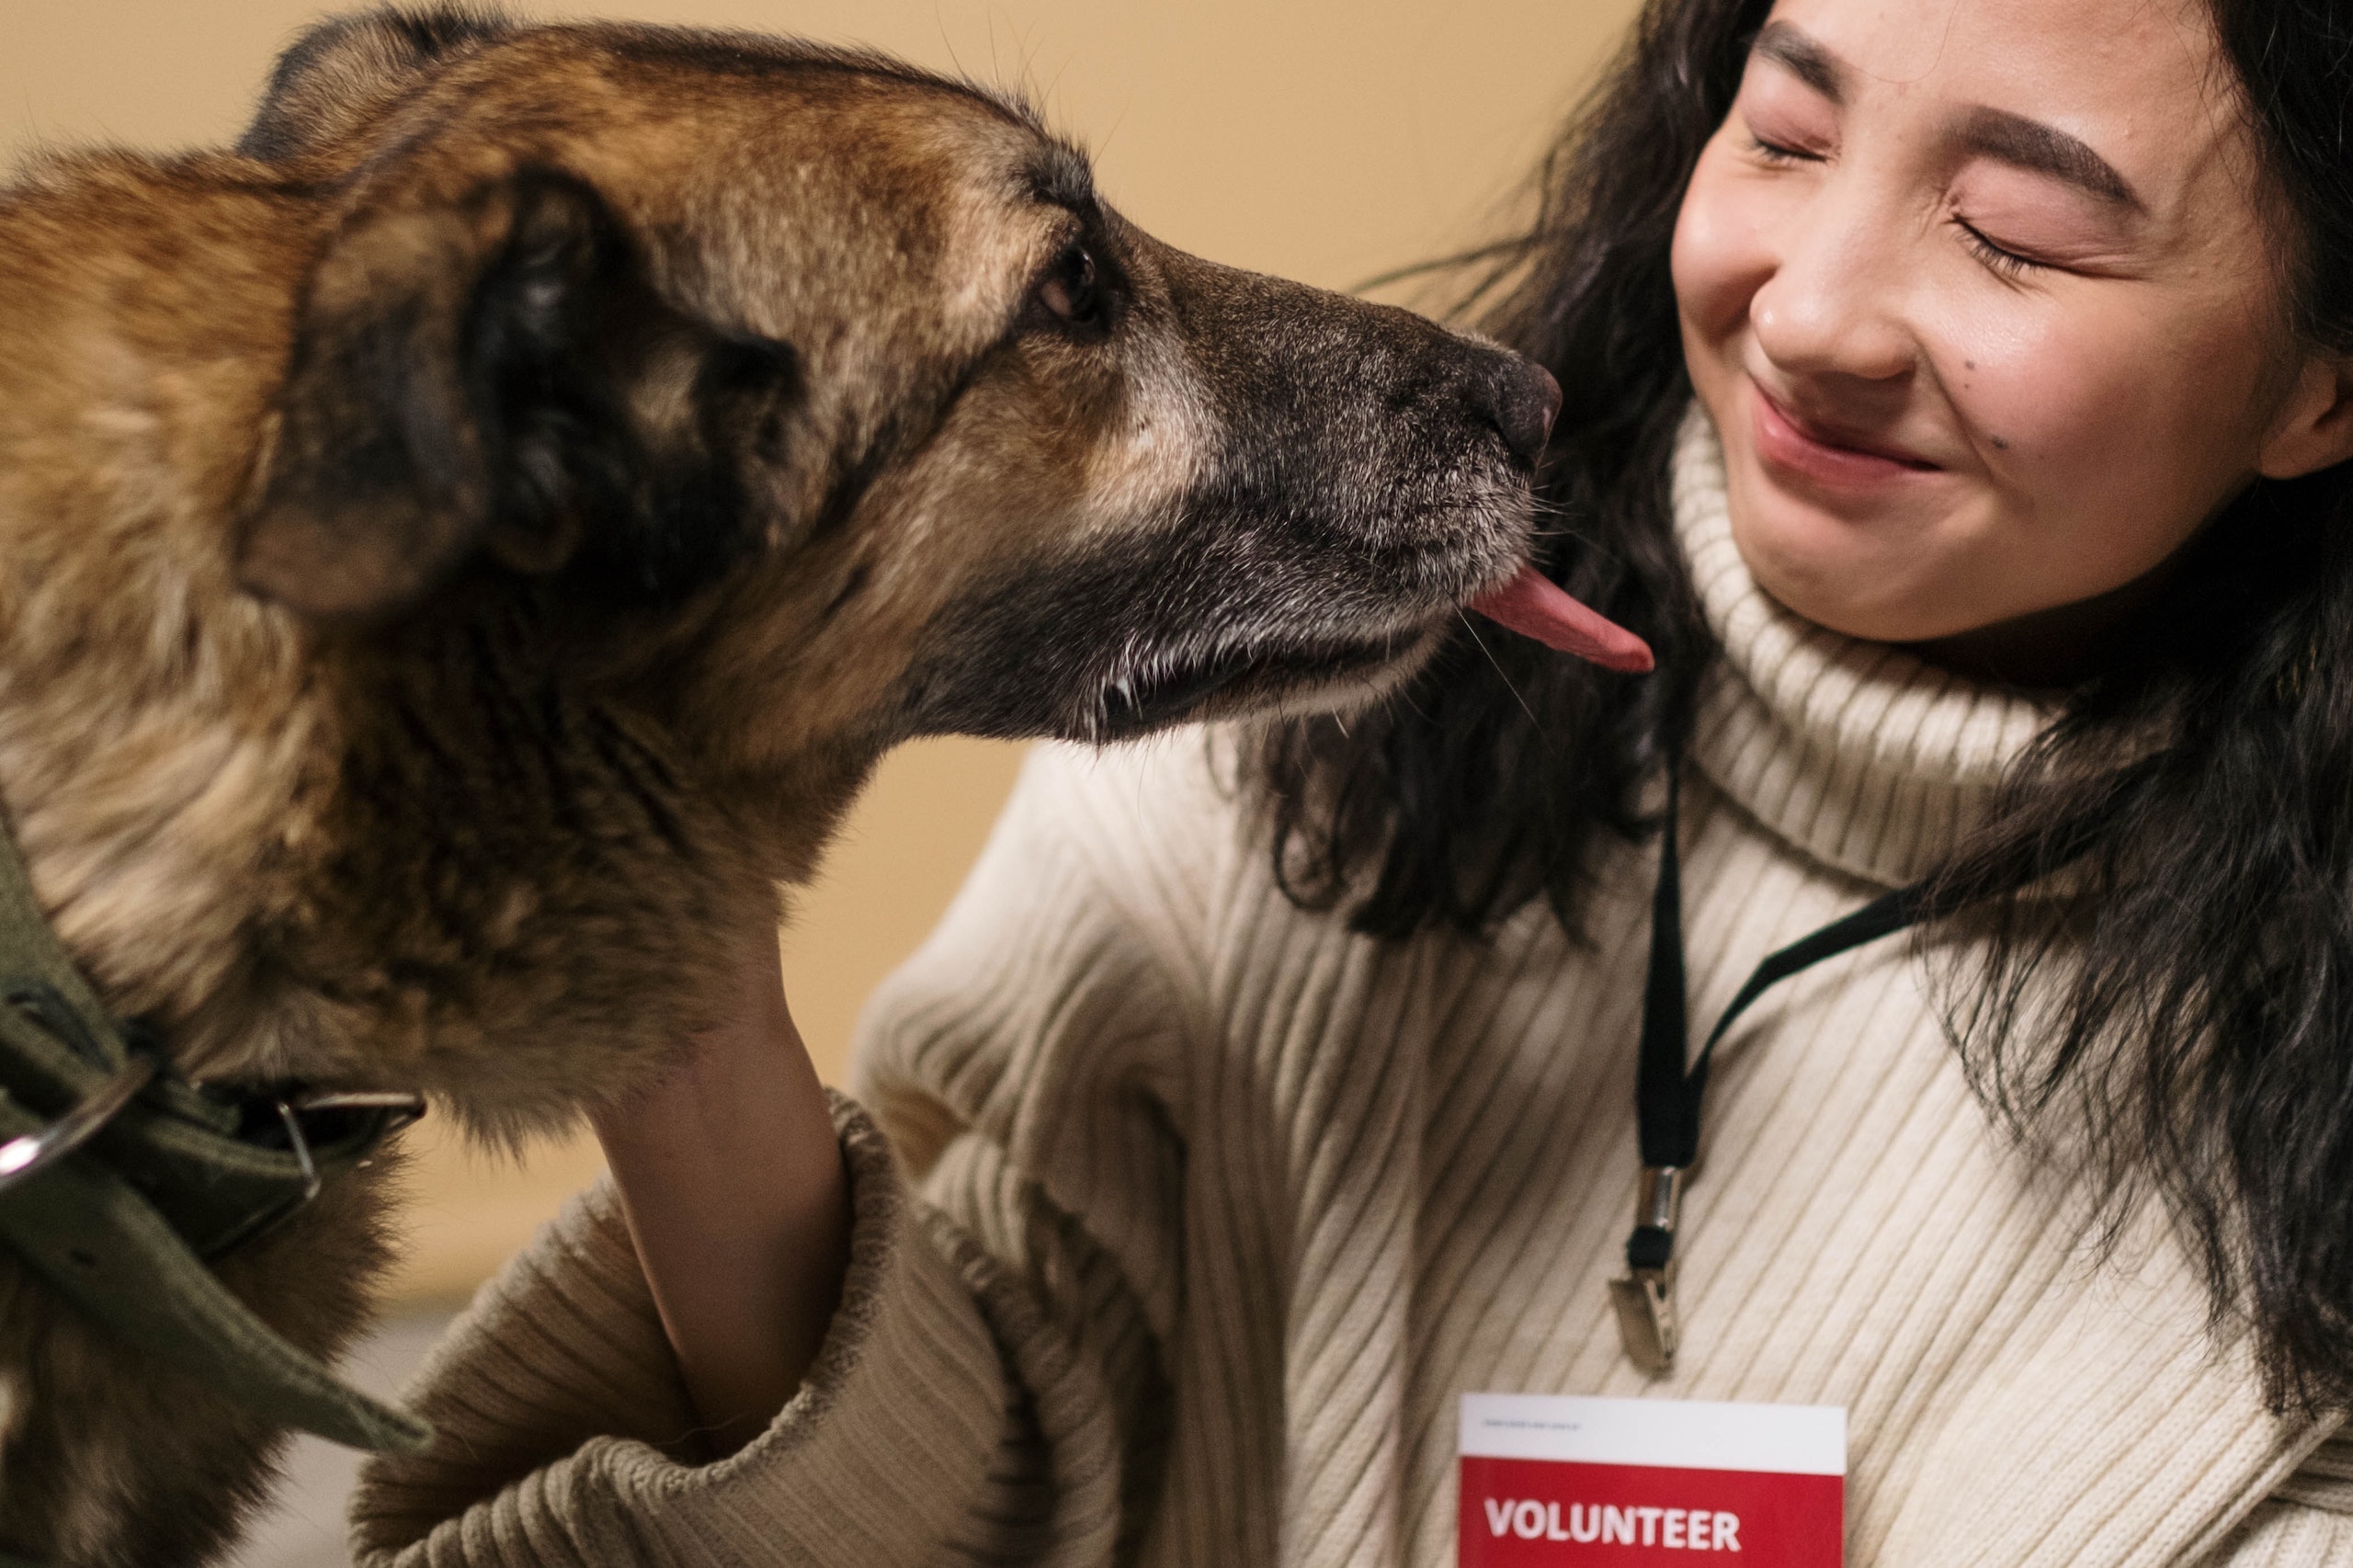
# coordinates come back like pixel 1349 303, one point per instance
pixel 341 74
pixel 431 335
pixel 495 375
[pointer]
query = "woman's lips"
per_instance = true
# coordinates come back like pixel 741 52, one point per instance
pixel 1784 441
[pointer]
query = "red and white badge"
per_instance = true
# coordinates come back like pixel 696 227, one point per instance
pixel 1554 1480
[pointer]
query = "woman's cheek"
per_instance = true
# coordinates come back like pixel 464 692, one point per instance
pixel 2011 380
pixel 2029 388
pixel 2062 423
pixel 1720 257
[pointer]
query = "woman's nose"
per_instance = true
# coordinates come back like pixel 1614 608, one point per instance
pixel 1834 304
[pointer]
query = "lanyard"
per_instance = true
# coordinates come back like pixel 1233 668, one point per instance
pixel 1667 1094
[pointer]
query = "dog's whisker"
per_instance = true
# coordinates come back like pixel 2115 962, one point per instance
pixel 1464 616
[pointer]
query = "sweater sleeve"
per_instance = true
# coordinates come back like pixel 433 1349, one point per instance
pixel 991 1387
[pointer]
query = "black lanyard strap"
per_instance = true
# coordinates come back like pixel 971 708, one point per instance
pixel 1667 1094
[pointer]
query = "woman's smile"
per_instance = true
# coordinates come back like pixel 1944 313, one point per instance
pixel 1809 455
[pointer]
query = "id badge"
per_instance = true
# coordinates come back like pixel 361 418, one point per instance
pixel 1562 1480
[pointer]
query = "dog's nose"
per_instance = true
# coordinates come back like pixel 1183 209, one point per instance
pixel 1527 398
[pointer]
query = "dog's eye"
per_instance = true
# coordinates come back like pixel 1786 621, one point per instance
pixel 1071 290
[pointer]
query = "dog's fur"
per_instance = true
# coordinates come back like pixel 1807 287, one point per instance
pixel 461 550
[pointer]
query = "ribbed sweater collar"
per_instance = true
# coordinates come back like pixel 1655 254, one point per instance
pixel 1855 753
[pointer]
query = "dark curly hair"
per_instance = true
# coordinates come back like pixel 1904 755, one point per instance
pixel 2182 1023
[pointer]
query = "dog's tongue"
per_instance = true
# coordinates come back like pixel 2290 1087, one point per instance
pixel 1533 604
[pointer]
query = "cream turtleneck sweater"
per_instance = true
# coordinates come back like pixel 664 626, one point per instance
pixel 1197 1213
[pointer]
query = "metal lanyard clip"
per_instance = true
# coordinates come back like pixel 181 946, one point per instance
pixel 1647 1324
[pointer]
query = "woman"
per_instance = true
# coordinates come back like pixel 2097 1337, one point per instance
pixel 1990 528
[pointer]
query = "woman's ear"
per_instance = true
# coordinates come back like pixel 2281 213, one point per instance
pixel 2315 429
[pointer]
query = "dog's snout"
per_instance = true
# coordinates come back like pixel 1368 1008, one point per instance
pixel 1526 399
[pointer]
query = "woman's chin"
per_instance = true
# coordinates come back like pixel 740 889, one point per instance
pixel 1818 579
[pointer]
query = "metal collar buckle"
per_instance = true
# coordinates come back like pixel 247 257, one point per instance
pixel 406 1109
pixel 22 1156
pixel 29 1154
pixel 1647 1324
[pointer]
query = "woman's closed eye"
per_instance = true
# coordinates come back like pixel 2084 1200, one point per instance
pixel 2018 223
pixel 1788 120
pixel 1769 152
pixel 1998 258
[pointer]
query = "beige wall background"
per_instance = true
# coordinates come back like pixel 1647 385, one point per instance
pixel 1326 140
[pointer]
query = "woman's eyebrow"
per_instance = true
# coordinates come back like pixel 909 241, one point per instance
pixel 1802 57
pixel 2037 148
pixel 1995 133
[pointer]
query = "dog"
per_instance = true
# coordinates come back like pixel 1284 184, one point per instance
pixel 465 546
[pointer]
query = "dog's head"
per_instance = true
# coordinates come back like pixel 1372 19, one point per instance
pixel 838 385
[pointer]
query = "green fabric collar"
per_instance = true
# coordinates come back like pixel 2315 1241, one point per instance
pixel 121 1217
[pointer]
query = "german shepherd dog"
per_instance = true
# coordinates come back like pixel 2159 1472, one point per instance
pixel 464 547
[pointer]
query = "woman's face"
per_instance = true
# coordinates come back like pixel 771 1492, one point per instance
pixel 1980 297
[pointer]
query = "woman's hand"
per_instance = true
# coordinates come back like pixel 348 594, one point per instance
pixel 730 1177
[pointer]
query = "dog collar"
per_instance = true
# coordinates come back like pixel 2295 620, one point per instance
pixel 119 1178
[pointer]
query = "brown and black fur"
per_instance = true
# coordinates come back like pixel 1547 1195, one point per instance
pixel 461 550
